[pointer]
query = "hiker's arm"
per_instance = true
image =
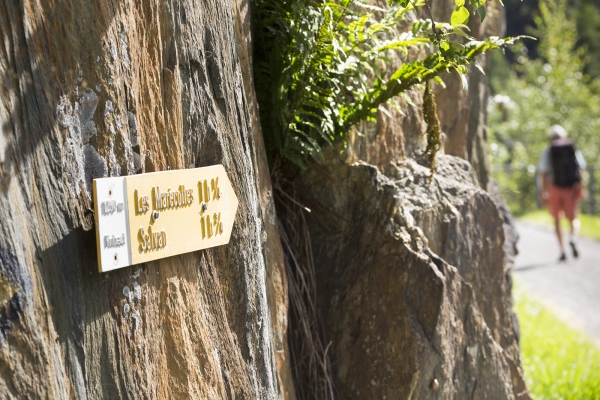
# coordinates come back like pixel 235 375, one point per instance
pixel 582 165
pixel 543 185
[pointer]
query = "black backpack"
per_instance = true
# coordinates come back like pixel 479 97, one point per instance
pixel 564 163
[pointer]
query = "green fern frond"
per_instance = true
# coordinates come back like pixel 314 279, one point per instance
pixel 327 63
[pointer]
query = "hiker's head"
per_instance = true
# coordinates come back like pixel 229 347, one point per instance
pixel 557 132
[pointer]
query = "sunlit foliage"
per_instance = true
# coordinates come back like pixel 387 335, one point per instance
pixel 323 67
pixel 551 89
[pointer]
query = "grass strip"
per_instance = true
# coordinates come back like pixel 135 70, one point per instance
pixel 590 224
pixel 559 362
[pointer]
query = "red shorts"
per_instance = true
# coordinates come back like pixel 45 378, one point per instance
pixel 563 199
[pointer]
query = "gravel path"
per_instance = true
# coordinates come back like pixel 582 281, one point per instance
pixel 572 288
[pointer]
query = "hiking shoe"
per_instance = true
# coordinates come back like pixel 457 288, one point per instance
pixel 563 257
pixel 574 248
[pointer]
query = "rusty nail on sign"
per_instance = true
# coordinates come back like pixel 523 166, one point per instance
pixel 127 209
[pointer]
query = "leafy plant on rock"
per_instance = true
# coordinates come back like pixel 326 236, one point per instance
pixel 323 67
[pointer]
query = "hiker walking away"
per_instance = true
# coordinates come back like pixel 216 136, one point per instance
pixel 560 180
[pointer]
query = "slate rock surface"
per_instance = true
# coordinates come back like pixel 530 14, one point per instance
pixel 90 90
pixel 412 282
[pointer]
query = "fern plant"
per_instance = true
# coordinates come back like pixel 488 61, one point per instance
pixel 324 66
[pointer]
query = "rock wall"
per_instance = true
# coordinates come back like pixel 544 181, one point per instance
pixel 463 114
pixel 413 277
pixel 276 279
pixel 106 89
pixel 411 282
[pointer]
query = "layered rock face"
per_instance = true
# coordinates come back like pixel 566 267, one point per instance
pixel 411 282
pixel 106 89
pixel 413 277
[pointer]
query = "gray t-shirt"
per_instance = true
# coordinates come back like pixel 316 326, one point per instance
pixel 545 165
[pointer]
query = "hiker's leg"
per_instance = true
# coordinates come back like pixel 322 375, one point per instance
pixel 575 226
pixel 571 213
pixel 555 206
pixel 573 238
pixel 558 233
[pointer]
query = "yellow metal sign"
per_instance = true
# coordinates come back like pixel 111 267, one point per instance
pixel 145 217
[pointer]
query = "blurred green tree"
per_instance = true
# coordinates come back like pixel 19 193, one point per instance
pixel 537 93
pixel 588 27
pixel 520 15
